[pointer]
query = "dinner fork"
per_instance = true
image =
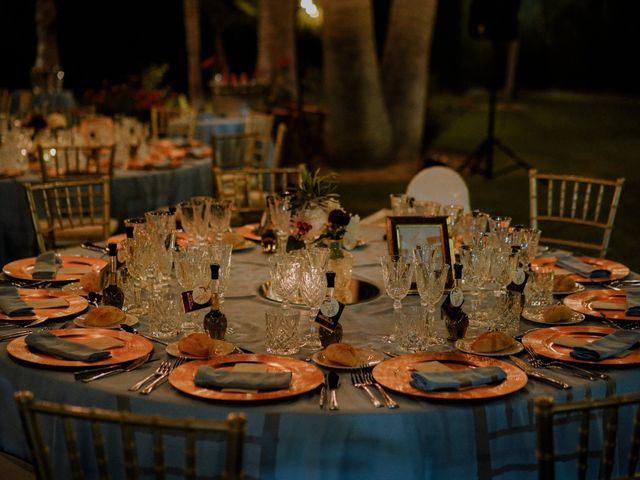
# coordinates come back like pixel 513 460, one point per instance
pixel 367 374
pixel 358 382
pixel 163 377
pixel 537 362
pixel 164 366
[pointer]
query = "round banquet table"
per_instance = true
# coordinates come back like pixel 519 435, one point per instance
pixel 292 438
pixel 133 192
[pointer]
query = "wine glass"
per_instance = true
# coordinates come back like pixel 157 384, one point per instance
pixel 285 276
pixel 191 216
pixel 219 214
pixel 431 282
pixel 192 270
pixel 313 288
pixel 397 274
pixel 281 218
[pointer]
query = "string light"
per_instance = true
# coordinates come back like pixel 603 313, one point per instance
pixel 310 8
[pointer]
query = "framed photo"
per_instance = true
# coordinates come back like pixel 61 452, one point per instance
pixel 404 233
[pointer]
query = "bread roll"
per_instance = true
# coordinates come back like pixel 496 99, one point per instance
pixel 557 313
pixel 563 283
pixel 197 344
pixel 104 316
pixel 342 354
pixel 492 342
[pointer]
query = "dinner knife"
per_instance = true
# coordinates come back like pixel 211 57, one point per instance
pixel 323 391
pixel 132 366
pixel 531 372
pixel 333 380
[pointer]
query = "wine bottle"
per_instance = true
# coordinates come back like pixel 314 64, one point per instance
pixel 215 322
pixel 456 320
pixel 329 314
pixel 112 293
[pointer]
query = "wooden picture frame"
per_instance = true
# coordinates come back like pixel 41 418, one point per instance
pixel 404 233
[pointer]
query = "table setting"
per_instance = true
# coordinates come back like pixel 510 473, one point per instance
pixel 390 361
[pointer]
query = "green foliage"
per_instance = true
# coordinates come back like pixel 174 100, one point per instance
pixel 314 190
pixel 153 75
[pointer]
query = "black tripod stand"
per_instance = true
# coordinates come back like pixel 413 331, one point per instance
pixel 483 153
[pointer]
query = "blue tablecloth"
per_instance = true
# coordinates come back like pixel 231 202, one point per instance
pixel 133 192
pixel 294 439
pixel 51 102
pixel 209 124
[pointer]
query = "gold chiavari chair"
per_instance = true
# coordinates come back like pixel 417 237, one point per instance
pixel 605 412
pixel 131 425
pixel 173 122
pixel 249 187
pixel 277 149
pixel 260 124
pixel 66 162
pixel 233 151
pixel 67 213
pixel 559 202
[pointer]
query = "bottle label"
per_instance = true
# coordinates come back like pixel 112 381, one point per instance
pixel 330 322
pixel 518 277
pixel 330 307
pixel 196 299
pixel 457 297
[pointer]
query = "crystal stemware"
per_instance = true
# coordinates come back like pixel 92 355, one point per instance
pixel 219 214
pixel 430 282
pixel 281 218
pixel 397 274
pixel 285 276
pixel 313 288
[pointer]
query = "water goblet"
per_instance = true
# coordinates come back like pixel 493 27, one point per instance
pixel 397 274
pixel 281 218
pixel 313 288
pixel 430 282
pixel 219 214
pixel 191 216
pixel 192 270
pixel 285 276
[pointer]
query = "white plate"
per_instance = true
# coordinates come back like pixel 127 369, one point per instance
pixel 535 316
pixel 464 345
pixel 222 348
pixel 578 288
pixel 367 357
pixel 130 320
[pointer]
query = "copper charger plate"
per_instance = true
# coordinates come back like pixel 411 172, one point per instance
pixel 541 342
pixel 583 302
pixel 77 304
pixel 134 347
pixel 22 268
pixel 248 232
pixel 395 373
pixel 304 377
pixel 618 270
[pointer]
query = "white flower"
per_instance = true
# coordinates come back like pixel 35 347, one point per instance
pixel 316 218
pixel 351 234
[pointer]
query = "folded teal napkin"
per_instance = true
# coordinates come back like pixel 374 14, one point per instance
pixel 209 377
pixel 609 346
pixel 574 265
pixel 47 265
pixel 66 349
pixel 11 303
pixel 633 301
pixel 456 379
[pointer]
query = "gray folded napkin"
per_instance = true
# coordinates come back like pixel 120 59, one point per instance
pixel 456 379
pixel 606 347
pixel 66 349
pixel 209 377
pixel 46 267
pixel 633 301
pixel 574 265
pixel 11 303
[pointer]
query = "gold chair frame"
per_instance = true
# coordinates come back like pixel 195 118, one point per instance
pixel 161 118
pixel 69 205
pixel 233 428
pixel 66 162
pixel 260 124
pixel 279 145
pixel 545 412
pixel 575 200
pixel 239 146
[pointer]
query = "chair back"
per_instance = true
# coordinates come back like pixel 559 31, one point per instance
pixel 74 162
pixel 279 145
pixel 68 212
pixel 588 413
pixel 173 122
pixel 80 422
pixel 249 187
pixel 260 124
pixel 586 205
pixel 440 184
pixel 233 151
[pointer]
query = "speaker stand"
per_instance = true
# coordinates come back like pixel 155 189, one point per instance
pixel 480 160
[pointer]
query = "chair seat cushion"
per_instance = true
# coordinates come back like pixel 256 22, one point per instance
pixel 73 236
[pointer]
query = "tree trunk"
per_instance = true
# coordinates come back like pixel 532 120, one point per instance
pixel 277 48
pixel 192 41
pixel 47 57
pixel 405 73
pixel 357 130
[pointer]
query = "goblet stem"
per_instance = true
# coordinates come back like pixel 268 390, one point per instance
pixel 282 242
pixel 397 304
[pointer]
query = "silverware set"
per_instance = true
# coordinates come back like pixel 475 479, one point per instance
pixel 113 371
pixel 21 333
pixel 362 378
pixel 157 378
pixel 537 362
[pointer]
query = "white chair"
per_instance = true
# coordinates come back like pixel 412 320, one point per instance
pixel 440 184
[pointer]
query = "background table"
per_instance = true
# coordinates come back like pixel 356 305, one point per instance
pixel 133 192
pixel 293 438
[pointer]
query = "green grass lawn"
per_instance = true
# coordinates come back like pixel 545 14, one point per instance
pixel 559 132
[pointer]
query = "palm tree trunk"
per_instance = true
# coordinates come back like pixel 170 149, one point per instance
pixel 276 65
pixel 47 57
pixel 357 130
pixel 405 72
pixel 192 41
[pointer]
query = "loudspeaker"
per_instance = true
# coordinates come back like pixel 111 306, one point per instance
pixel 495 20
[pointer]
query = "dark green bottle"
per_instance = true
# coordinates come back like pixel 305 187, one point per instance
pixel 215 322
